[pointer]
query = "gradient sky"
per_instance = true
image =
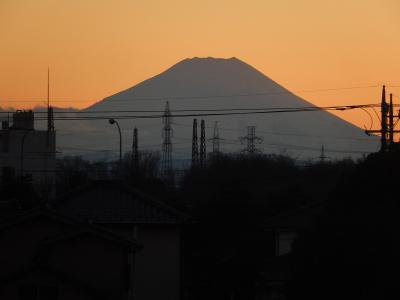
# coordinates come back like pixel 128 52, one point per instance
pixel 95 48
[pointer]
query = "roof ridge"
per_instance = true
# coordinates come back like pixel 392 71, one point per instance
pixel 123 186
pixel 96 230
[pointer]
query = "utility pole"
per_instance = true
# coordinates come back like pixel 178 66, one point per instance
pixel 195 145
pixel 135 152
pixel 166 164
pixel 251 140
pixel 391 122
pixel 383 121
pixel 387 130
pixel 203 149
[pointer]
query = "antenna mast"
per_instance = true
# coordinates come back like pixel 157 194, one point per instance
pixel 50 117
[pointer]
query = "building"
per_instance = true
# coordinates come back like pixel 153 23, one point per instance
pixel 239 261
pixel 284 229
pixel 27 153
pixel 156 225
pixel 47 256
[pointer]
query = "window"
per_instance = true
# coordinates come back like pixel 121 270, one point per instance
pixel 284 242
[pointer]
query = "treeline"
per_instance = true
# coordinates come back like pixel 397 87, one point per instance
pixel 255 186
pixel 73 171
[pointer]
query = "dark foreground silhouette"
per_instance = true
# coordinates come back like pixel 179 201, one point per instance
pixel 239 227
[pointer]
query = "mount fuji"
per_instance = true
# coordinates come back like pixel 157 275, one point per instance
pixel 213 84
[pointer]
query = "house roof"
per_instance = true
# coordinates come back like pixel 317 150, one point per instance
pixel 41 211
pixel 40 262
pixel 90 231
pixel 110 201
pixel 51 271
pixel 77 227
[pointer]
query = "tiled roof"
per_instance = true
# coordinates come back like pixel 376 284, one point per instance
pixel 114 202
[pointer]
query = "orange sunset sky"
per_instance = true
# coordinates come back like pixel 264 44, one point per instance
pixel 95 48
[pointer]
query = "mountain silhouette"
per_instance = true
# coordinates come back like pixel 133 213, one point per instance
pixel 214 83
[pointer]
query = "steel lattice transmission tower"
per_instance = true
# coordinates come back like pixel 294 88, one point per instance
pixel 166 164
pixel 203 153
pixel 215 139
pixel 322 156
pixel 195 145
pixel 251 140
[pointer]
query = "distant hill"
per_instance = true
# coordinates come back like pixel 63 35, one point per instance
pixel 212 83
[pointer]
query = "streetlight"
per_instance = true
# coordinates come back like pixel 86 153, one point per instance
pixel 112 122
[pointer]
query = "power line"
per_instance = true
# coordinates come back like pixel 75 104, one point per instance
pixel 270 111
pixel 162 98
pixel 291 134
pixel 338 107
